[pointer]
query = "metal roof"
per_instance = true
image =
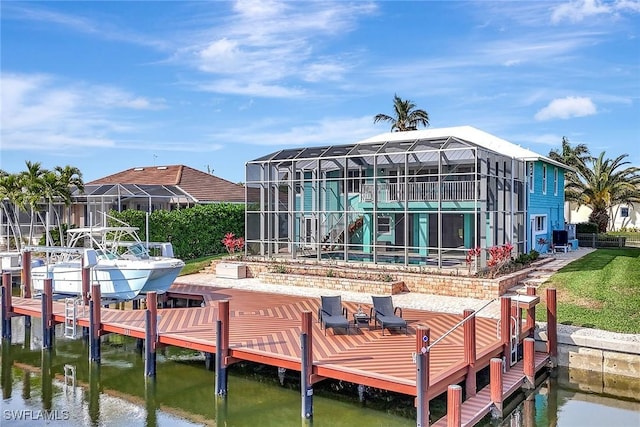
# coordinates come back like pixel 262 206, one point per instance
pixel 461 137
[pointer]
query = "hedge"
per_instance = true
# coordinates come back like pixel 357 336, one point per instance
pixel 194 232
pixel 587 227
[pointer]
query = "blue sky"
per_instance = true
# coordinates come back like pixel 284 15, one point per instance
pixel 107 86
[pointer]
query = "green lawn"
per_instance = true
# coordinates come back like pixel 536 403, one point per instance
pixel 600 290
pixel 196 265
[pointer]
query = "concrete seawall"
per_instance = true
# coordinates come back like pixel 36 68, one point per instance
pixel 596 351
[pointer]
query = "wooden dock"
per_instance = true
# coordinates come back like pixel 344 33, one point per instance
pixel 266 328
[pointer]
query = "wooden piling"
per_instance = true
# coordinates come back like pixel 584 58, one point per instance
pixel 470 352
pixel 222 347
pixel 6 306
pixel 95 325
pixel 151 337
pixel 505 328
pixel 496 382
pixel 552 327
pixel 26 274
pixel 422 376
pixel 306 365
pixel 47 314
pixel 454 406
pixel 529 365
pixel 86 283
pixel 531 313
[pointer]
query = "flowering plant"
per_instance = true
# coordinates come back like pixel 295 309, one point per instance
pixel 472 254
pixel 233 243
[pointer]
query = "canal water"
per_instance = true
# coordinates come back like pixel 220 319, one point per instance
pixel 61 388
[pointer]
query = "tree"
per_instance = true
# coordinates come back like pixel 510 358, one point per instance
pixel 570 156
pixel 67 177
pixel 11 199
pixel 602 184
pixel 32 189
pixel 406 117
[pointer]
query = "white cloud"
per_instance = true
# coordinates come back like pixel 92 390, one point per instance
pixel 257 89
pixel 268 46
pixel 566 108
pixel 579 10
pixel 40 112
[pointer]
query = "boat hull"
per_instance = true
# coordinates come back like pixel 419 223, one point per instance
pixel 118 279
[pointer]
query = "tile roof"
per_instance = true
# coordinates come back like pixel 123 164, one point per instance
pixel 200 185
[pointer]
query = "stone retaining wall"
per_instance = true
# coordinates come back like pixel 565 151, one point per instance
pixel 333 283
pixel 381 280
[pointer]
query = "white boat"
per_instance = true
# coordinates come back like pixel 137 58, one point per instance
pixel 119 261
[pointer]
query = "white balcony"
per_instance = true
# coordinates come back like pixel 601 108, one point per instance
pixel 447 191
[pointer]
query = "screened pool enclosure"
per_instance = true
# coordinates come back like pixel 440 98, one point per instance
pixel 409 198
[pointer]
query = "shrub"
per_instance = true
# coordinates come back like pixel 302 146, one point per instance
pixel 586 227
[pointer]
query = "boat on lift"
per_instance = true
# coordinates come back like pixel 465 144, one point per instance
pixel 124 266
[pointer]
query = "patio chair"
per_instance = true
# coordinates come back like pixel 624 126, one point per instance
pixel 331 314
pixel 385 314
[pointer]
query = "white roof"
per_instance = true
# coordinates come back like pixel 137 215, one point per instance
pixel 469 134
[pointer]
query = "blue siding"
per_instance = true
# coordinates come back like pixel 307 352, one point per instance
pixel 545 203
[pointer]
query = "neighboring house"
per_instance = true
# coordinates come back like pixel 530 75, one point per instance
pixel 151 188
pixel 415 198
pixel 620 216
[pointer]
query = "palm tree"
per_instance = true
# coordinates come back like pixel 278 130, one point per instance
pixel 67 177
pixel 603 183
pixel 406 117
pixel 11 199
pixel 32 187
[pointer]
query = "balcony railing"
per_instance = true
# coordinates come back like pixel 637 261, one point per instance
pixel 449 191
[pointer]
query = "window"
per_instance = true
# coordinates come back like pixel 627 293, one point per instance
pixel 354 180
pixel 540 224
pixel 544 179
pixel 624 212
pixel 555 181
pixel 530 177
pixel 384 225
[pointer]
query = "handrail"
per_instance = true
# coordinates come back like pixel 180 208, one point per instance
pixel 460 323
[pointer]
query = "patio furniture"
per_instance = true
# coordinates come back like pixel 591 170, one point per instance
pixel 331 314
pixel 385 314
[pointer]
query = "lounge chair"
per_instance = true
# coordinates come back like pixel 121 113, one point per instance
pixel 385 314
pixel 331 314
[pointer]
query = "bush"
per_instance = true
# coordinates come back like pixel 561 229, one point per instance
pixel 586 227
pixel 524 259
pixel 194 232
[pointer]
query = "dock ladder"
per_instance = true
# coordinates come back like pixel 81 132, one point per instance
pixel 69 376
pixel 70 312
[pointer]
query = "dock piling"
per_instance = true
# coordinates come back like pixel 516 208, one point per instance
pixel 151 337
pixel 6 306
pixel 529 363
pixel 496 382
pixel 26 274
pixel 47 314
pixel 94 324
pixel 505 327
pixel 470 352
pixel 222 347
pixel 306 365
pixel 422 376
pixel 454 406
pixel 531 313
pixel 552 327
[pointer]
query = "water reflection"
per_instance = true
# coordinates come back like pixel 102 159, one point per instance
pixel 62 384
pixel 560 401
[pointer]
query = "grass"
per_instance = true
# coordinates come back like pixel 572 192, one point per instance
pixel 600 290
pixel 196 265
